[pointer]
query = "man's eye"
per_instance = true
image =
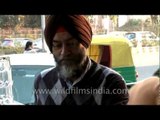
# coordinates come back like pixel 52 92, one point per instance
pixel 70 44
pixel 55 45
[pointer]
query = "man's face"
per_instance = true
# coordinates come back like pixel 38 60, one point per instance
pixel 69 54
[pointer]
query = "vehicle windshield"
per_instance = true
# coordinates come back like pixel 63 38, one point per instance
pixel 7 43
pixel 130 36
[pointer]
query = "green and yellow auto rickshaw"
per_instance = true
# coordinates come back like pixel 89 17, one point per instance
pixel 114 52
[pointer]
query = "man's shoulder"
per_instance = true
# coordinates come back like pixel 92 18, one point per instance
pixel 108 70
pixel 105 70
pixel 45 75
pixel 47 71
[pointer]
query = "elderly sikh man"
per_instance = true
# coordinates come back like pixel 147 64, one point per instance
pixel 76 79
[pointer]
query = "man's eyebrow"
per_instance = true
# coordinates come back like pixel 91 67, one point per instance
pixel 55 41
pixel 70 38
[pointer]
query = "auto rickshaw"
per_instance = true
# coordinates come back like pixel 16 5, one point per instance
pixel 114 52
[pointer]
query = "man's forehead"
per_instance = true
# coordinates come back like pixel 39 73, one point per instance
pixel 61 29
pixel 63 36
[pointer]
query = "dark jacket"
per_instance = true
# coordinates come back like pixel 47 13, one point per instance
pixel 101 85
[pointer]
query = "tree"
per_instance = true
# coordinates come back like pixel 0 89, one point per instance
pixel 114 19
pixel 8 21
pixel 32 21
pixel 131 25
pixel 155 24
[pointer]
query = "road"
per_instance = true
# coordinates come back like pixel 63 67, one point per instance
pixel 146 61
pixel 146 71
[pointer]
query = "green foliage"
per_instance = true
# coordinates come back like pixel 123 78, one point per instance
pixel 7 21
pixel 32 21
pixel 150 43
pixel 134 43
pixel 131 25
pixel 11 50
pixel 12 21
pixel 114 19
pixel 146 43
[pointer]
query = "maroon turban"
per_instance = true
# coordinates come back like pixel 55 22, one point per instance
pixel 76 25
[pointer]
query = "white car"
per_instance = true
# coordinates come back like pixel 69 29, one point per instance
pixel 40 45
pixel 25 67
pixel 15 42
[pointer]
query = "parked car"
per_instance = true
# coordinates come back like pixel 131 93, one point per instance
pixel 39 46
pixel 142 38
pixel 25 67
pixel 7 43
pixel 15 42
pixel 21 41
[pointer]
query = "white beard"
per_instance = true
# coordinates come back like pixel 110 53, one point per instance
pixel 67 71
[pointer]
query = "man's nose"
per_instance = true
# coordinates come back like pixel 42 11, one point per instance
pixel 65 50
